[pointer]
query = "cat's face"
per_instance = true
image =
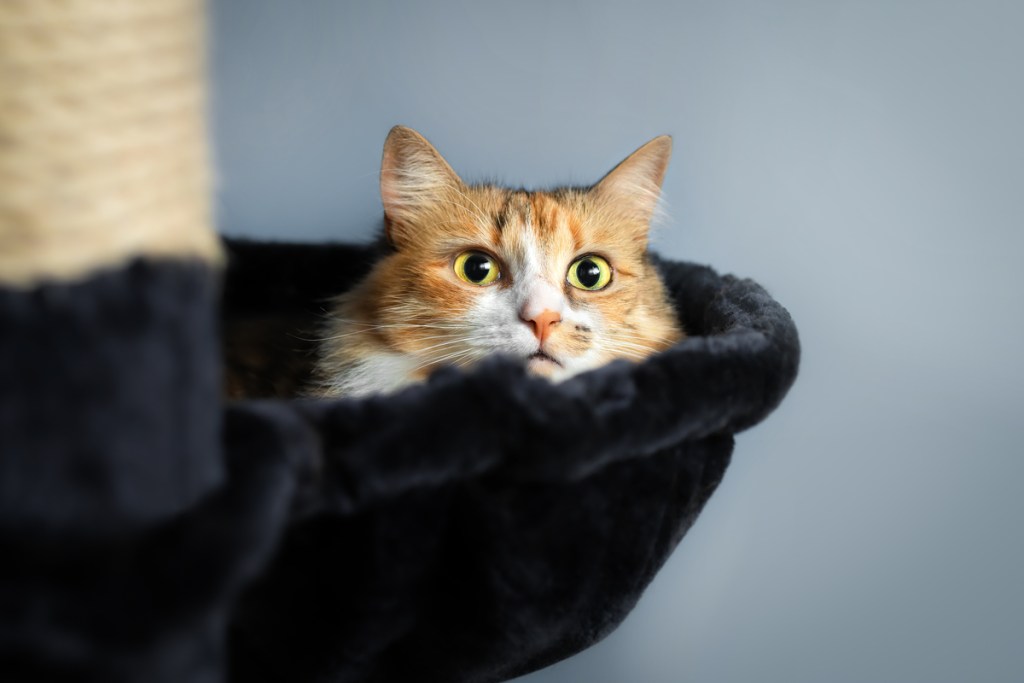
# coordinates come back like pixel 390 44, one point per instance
pixel 559 279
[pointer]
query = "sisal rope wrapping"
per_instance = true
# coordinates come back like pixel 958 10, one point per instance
pixel 102 136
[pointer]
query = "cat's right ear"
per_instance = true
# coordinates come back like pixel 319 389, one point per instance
pixel 632 188
pixel 414 179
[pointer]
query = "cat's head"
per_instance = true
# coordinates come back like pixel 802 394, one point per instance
pixel 559 278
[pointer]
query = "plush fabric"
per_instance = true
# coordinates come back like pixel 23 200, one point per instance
pixel 473 528
pixel 123 531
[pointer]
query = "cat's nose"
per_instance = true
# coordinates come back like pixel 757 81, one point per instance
pixel 543 322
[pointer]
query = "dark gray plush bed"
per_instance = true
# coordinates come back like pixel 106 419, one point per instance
pixel 472 528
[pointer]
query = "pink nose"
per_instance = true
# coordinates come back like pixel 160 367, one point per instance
pixel 543 323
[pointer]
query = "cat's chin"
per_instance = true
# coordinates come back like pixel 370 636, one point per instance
pixel 545 366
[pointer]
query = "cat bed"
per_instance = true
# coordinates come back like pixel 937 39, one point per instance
pixel 486 523
pixel 473 528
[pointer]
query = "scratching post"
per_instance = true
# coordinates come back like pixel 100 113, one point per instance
pixel 102 136
pixel 110 417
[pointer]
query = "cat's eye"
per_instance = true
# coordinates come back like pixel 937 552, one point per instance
pixel 590 273
pixel 476 268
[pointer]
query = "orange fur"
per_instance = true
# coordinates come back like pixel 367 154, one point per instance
pixel 412 313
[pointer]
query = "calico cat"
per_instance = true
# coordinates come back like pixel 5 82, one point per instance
pixel 559 278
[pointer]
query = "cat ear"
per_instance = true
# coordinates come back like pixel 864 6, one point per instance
pixel 413 178
pixel 632 188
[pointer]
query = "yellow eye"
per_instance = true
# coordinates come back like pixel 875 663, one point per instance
pixel 590 273
pixel 476 268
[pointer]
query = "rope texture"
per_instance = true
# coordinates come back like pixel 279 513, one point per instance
pixel 102 136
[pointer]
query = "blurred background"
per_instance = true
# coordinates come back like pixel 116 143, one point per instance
pixel 862 159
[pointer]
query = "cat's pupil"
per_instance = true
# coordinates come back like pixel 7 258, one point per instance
pixel 588 273
pixel 477 267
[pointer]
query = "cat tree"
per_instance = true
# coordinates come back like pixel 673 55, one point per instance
pixel 150 532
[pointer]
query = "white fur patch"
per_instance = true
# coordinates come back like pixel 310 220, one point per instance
pixel 383 372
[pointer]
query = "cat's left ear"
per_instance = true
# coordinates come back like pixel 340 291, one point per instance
pixel 632 188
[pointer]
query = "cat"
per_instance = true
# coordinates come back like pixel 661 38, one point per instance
pixel 558 278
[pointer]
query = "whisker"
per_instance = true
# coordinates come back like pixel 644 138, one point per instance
pixel 445 358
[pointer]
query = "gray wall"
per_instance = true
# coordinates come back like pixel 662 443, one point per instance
pixel 862 159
